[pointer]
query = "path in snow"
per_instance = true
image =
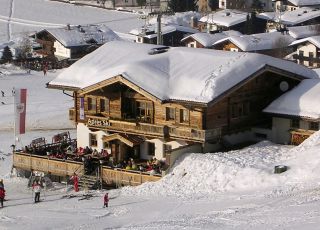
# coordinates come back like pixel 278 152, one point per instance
pixel 9 20
pixel 28 22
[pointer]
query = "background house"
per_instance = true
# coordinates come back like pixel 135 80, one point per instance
pixel 307 51
pixel 73 42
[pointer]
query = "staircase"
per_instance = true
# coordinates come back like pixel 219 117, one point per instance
pixel 89 182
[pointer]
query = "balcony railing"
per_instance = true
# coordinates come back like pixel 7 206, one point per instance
pixel 154 130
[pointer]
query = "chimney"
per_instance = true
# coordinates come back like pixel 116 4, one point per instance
pixel 194 22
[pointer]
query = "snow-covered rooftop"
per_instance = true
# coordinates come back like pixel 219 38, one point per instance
pixel 81 35
pixel 293 17
pixel 165 29
pixel 304 2
pixel 299 32
pixel 262 41
pixel 207 39
pixel 315 40
pixel 181 73
pixel 225 17
pixel 302 101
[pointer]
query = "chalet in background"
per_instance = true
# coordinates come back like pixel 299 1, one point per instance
pixel 171 34
pixel 72 42
pixel 307 51
pixel 275 44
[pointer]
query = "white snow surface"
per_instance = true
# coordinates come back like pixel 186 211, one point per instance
pixel 300 101
pixel 299 32
pixel 224 190
pixel 262 41
pixel 173 74
pixel 225 17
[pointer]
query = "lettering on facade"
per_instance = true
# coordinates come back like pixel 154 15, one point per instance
pixel 97 122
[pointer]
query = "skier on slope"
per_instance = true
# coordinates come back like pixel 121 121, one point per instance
pixel 36 186
pixel 75 179
pixel 2 196
pixel 106 200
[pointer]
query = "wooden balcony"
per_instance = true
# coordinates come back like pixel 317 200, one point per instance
pixel 147 129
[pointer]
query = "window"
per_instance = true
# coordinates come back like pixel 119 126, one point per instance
pixel 93 140
pixel 184 116
pixel 106 145
pixel 314 126
pixel 92 104
pixel 170 114
pixel 295 123
pixel 151 149
pixel 144 111
pixel 240 109
pixel 301 53
pixel 104 105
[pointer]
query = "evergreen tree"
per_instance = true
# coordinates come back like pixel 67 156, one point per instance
pixel 6 55
pixel 213 4
pixel 141 3
pixel 182 5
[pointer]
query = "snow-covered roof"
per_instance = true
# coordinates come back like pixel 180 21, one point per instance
pixel 225 17
pixel 81 35
pixel 304 2
pixel 315 40
pixel 302 101
pixel 293 17
pixel 181 73
pixel 207 39
pixel 165 29
pixel 299 32
pixel 261 41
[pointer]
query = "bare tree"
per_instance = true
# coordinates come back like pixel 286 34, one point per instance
pixel 24 47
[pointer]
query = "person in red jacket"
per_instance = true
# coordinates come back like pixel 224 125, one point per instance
pixel 75 179
pixel 2 196
pixel 106 200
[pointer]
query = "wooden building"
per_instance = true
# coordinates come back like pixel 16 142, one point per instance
pixel 275 44
pixel 72 42
pixel 144 101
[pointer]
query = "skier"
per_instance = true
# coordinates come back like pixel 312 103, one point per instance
pixel 1 184
pixel 2 196
pixel 75 179
pixel 37 189
pixel 105 200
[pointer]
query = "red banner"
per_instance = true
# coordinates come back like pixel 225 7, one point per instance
pixel 20 110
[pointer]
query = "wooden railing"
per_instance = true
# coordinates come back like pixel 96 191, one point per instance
pixel 44 164
pixel 111 176
pixel 161 131
pixel 126 177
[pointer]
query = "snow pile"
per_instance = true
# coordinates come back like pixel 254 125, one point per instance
pixel 206 174
pixel 252 168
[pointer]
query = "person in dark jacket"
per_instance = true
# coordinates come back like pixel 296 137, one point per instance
pixel 106 200
pixel 2 196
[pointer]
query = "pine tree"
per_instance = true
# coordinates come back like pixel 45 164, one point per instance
pixel 213 4
pixel 6 55
pixel 182 5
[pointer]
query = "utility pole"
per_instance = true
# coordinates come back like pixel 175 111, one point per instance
pixel 159 33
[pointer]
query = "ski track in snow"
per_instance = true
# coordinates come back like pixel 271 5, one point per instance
pixel 9 20
pixel 29 22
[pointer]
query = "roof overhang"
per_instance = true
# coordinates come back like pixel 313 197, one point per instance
pixel 129 140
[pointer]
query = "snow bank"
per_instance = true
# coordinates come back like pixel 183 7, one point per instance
pixel 252 168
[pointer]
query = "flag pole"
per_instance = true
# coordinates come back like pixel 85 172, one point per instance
pixel 14 116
